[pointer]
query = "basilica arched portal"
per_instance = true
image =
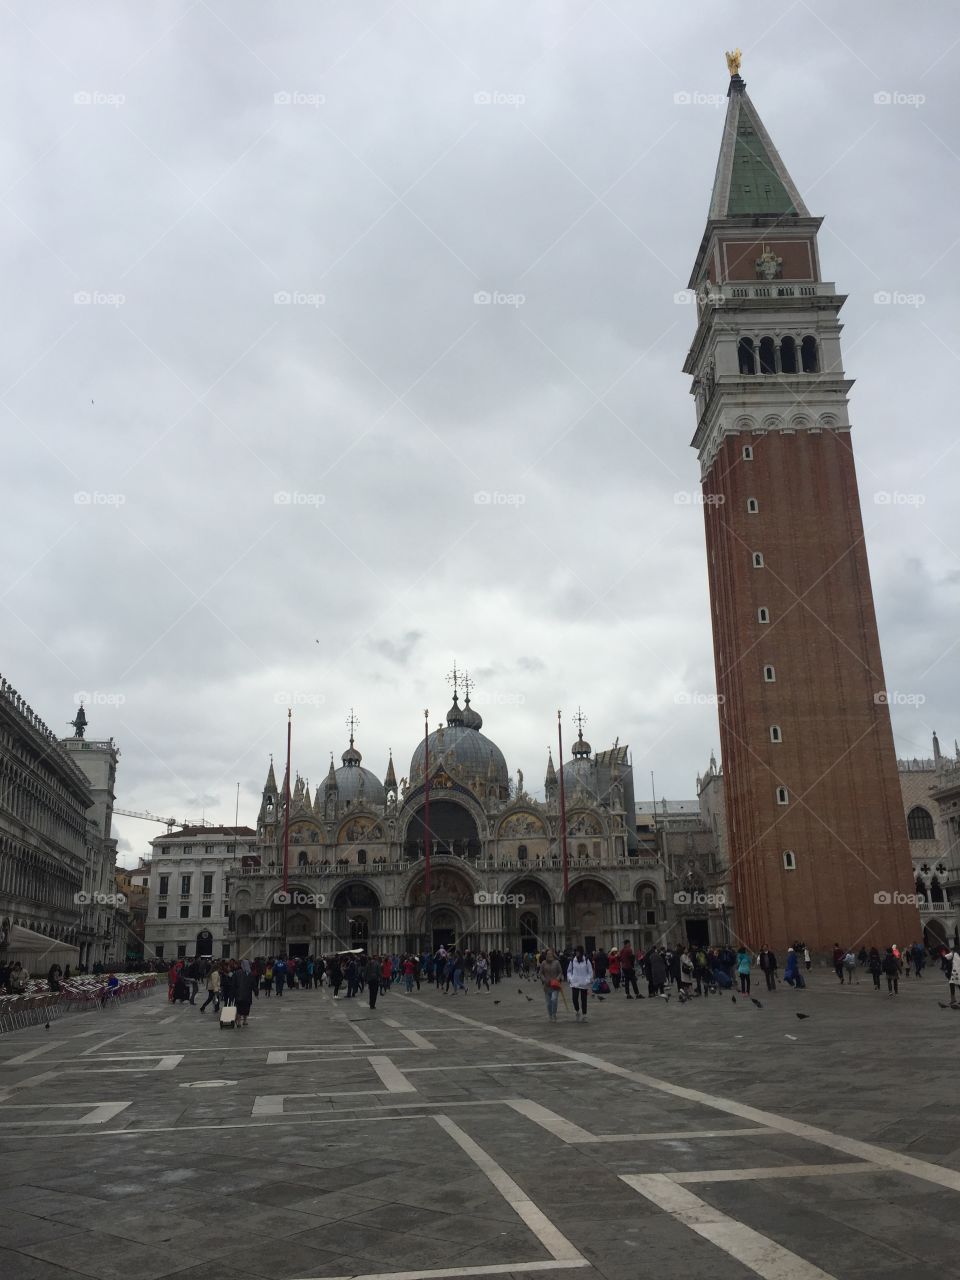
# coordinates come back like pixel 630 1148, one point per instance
pixel 453 830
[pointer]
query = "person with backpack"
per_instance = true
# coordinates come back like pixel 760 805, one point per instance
pixel 580 978
pixel 373 975
pixel 686 974
pixel 613 963
pixel 279 974
pixel 701 972
pixel 243 991
pixel 850 966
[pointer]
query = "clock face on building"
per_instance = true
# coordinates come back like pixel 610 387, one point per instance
pixel 205 933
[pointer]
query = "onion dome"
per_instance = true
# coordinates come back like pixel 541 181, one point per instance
pixel 455 714
pixel 466 754
pixel 472 719
pixel 581 748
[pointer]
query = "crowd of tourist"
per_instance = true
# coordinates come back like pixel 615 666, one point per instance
pixel 664 971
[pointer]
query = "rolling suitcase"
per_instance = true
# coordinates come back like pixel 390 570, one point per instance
pixel 228 1017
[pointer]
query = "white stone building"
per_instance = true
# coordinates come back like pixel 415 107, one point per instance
pixel 188 908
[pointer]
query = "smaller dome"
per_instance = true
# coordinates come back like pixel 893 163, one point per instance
pixel 581 748
pixel 455 714
pixel 351 756
pixel 472 719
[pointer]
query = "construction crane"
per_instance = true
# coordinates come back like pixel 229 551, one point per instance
pixel 152 817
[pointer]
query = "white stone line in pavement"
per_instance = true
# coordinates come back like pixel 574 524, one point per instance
pixel 416 1039
pixel 33 1053
pixel 172 1018
pixel 758 1252
pixel 552 1239
pixel 439 1273
pixel 362 1034
pixel 97 1112
pixel 110 1039
pixel 485 1066
pixel 569 1132
pixel 281 1057
pixel 776 1171
pixel 392 1076
pixel 165 1062
pixel 882 1157
pixel 272 1104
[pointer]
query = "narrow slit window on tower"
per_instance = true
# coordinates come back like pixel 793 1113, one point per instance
pixel 782 797
pixel 775 734
pixel 768 360
pixel 809 359
pixel 753 506
pixel 763 614
pixel 788 355
pixel 758 559
pixel 748 453
pixel 789 860
pixel 745 356
pixel 769 674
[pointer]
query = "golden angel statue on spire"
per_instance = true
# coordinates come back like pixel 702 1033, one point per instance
pixel 733 61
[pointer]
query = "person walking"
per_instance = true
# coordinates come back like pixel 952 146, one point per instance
pixel 279 974
pixel 687 969
pixel 268 978
pixel 335 974
pixel 213 990
pixel 373 974
pixel 613 962
pixel 243 990
pixel 743 970
pixel 791 972
pixel 480 970
pixel 850 966
pixel 807 962
pixel 409 972
pixel 768 966
pixel 580 978
pixel 891 968
pixel 550 973
pixel 656 972
pixel 953 976
pixel 875 965
pixel 628 969
pixel 838 954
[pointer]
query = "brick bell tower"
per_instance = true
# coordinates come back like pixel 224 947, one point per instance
pixel 817 836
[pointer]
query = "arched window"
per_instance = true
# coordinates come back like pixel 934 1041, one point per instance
pixel 809 359
pixel 789 860
pixel 775 734
pixel 763 614
pixel 788 355
pixel 936 890
pixel 521 853
pixel 920 824
pixel 769 674
pixel 581 850
pixel 748 453
pixel 302 858
pixel 745 356
pixel 361 857
pixel 758 559
pixel 768 359
pixel 782 797
pixel 753 506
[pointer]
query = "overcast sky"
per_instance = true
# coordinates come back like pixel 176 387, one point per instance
pixel 379 164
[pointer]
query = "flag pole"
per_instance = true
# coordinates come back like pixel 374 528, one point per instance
pixel 563 829
pixel 428 918
pixel 286 808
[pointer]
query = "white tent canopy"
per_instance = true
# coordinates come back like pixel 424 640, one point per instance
pixel 37 953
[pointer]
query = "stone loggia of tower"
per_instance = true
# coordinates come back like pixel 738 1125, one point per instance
pixel 818 842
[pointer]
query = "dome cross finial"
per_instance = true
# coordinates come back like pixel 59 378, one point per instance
pixel 353 724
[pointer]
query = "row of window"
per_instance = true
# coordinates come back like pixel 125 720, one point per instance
pixel 769 356
pixel 185 883
pixel 206 911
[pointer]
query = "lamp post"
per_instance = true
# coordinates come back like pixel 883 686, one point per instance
pixel 428 915
pixel 563 835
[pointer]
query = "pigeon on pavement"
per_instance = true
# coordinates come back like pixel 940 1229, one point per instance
pixel 803 1015
pixel 756 1002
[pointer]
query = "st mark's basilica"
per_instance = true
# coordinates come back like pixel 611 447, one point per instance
pixel 356 853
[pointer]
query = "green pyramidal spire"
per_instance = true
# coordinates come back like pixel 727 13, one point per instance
pixel 751 179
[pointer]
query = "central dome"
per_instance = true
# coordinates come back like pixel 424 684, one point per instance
pixel 464 752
